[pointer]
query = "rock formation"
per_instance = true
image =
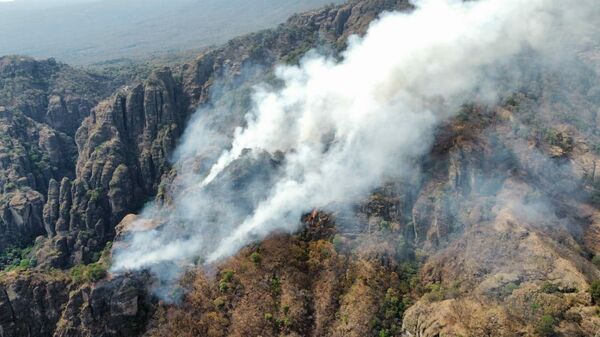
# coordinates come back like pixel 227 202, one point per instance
pixel 497 234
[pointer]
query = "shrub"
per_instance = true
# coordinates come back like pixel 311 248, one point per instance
pixel 227 275
pixel 77 273
pixel 595 147
pixel 162 191
pixel 437 292
pixel 198 260
pixel 9 187
pixel 12 258
pixel 255 257
pixel 596 261
pixel 24 263
pixel 175 294
pixel 88 273
pixel 284 322
pixel 391 310
pixel 513 101
pixel 96 271
pixel 409 278
pixel 595 291
pixel 545 327
pixel 341 44
pixel 384 333
pixel 508 289
pixel 294 57
pixel 223 286
pixel 95 257
pixel 384 224
pixel 549 288
pixel 275 285
pixel 94 195
pixel 595 199
pixel 558 138
pixel 393 307
pixel 465 113
pixel 337 242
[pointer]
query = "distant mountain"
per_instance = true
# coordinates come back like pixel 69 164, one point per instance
pixel 89 31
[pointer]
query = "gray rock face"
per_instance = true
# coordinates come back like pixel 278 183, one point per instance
pixel 51 208
pixel 31 306
pixel 112 308
pixel 20 217
pixel 33 155
pixel 42 103
pixel 50 92
pixel 125 143
pixel 123 153
pixel 48 304
pixel 82 154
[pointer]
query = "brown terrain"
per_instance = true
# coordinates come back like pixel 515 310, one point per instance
pixel 497 235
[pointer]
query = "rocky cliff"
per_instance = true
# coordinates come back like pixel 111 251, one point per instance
pixel 79 158
pixel 497 235
pixel 42 103
pixel 125 144
pixel 54 304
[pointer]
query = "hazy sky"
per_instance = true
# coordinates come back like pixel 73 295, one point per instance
pixel 46 3
pixel 37 4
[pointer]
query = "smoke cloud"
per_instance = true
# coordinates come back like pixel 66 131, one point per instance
pixel 336 129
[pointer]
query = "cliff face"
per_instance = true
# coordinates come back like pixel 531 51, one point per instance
pixel 494 235
pixel 32 305
pixel 50 92
pixel 125 144
pixel 52 304
pixel 42 103
pixel 123 151
pixel 78 157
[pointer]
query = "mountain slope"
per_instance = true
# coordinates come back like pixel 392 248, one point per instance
pixel 495 235
pixel 123 147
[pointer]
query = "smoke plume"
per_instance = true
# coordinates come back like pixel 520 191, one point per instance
pixel 338 127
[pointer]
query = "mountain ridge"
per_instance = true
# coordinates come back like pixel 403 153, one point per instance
pixel 495 236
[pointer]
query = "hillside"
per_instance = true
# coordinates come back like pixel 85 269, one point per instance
pixel 493 231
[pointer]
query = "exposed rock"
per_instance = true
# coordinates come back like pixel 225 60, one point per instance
pixel 124 145
pixel 501 216
pixel 52 208
pixel 118 307
pixel 31 304
pixel 64 219
pixel 21 218
pixel 50 92
pixel 49 304
pixel 43 103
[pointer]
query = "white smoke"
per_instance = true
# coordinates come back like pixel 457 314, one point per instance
pixel 346 126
